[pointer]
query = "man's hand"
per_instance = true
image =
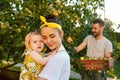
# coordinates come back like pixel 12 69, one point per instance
pixel 80 47
pixel 111 62
pixel 76 50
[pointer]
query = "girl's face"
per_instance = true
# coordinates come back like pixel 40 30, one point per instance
pixel 36 43
pixel 52 37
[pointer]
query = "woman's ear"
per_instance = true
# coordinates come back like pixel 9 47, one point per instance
pixel 61 34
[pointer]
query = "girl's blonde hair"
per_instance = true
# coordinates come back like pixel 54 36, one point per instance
pixel 27 39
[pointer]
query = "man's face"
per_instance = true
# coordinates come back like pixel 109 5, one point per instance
pixel 96 29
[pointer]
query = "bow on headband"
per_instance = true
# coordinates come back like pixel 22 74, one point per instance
pixel 49 24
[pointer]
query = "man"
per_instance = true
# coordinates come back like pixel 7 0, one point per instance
pixel 98 46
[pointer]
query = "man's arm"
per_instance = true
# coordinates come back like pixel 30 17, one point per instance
pixel 108 50
pixel 80 47
pixel 108 54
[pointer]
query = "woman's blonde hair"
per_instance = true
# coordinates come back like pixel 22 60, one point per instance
pixel 27 39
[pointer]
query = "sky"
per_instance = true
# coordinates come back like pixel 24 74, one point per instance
pixel 112 12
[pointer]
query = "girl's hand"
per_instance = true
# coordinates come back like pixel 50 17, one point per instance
pixel 52 53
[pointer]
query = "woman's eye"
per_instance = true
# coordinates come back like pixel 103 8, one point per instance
pixel 35 41
pixel 52 36
pixel 44 38
pixel 41 41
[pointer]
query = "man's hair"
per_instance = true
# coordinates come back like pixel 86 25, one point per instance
pixel 100 21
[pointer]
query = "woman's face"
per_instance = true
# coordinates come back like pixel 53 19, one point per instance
pixel 52 37
pixel 36 43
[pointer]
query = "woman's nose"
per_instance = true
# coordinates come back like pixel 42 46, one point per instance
pixel 48 40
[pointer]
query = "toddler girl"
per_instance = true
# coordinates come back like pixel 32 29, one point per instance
pixel 34 61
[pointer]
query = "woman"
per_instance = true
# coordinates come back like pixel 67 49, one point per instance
pixel 58 67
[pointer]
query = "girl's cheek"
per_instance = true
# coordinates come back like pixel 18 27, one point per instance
pixel 45 42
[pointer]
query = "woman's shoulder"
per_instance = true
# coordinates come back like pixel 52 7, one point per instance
pixel 61 55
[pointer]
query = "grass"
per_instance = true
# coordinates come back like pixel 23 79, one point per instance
pixel 73 79
pixel 117 69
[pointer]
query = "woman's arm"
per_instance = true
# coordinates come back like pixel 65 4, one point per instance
pixel 39 59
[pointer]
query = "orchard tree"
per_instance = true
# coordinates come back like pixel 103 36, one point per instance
pixel 18 17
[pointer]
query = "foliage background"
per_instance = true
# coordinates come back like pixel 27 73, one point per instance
pixel 18 17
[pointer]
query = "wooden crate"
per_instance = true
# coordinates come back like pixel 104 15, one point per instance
pixel 94 64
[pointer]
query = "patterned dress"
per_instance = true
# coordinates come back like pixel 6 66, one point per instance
pixel 30 68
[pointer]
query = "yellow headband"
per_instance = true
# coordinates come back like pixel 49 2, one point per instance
pixel 49 24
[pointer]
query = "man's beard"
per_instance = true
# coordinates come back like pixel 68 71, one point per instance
pixel 95 34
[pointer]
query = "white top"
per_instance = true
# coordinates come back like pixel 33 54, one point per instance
pixel 97 48
pixel 58 67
